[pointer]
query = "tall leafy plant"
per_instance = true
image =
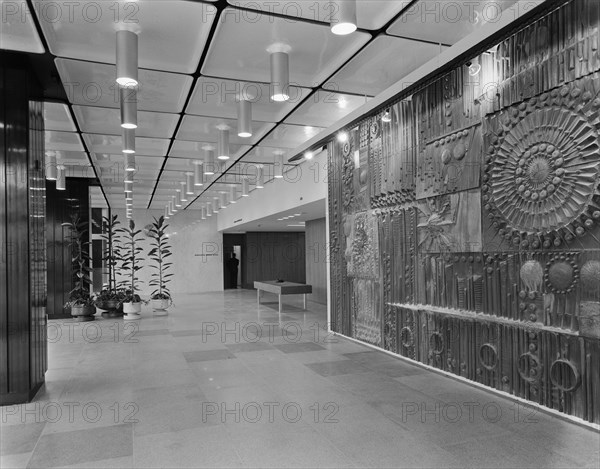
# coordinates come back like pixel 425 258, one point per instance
pixel 112 251
pixel 80 294
pixel 131 260
pixel 160 252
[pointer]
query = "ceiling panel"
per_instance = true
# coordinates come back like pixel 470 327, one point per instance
pixel 79 157
pixel 382 63
pixel 289 136
pixel 324 108
pixel 446 22
pixel 370 14
pixel 205 129
pixel 58 117
pixel 217 97
pixel 239 49
pixel 113 145
pixel 93 84
pixel 172 33
pixel 193 150
pixel 18 31
pixel 66 141
pixel 102 120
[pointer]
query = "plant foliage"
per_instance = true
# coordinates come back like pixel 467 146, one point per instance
pixel 160 252
pixel 80 294
pixel 131 260
pixel 111 252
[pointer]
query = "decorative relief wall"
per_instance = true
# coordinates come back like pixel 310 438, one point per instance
pixel 465 219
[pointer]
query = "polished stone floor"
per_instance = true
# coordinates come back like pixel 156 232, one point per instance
pixel 221 383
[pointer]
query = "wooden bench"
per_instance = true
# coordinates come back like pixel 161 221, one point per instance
pixel 282 288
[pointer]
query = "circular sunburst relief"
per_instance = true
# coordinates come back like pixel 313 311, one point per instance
pixel 542 169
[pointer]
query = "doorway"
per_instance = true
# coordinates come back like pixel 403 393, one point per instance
pixel 233 244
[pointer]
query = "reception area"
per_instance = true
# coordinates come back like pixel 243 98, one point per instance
pixel 347 233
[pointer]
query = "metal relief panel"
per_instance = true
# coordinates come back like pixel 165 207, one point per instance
pixel 367 311
pixel 362 245
pixel 450 223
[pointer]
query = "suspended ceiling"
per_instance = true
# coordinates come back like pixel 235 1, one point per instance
pixel 196 57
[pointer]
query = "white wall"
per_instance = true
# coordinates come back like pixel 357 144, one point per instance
pixel 197 252
pixel 302 185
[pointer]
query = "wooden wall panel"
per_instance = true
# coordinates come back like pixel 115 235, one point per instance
pixel 484 259
pixel 273 256
pixel 22 264
pixel 316 259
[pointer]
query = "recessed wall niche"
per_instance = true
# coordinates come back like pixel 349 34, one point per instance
pixel 465 227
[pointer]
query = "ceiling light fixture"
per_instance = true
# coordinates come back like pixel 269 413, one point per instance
pixel 183 191
pixel 474 67
pixel 233 195
pixel 224 200
pixel 190 183
pixel 203 213
pixel 280 76
pixel 223 144
pixel 342 137
pixel 178 201
pixel 167 213
pixel 174 204
pixel 343 17
pixel 198 174
pixel 128 100
pixel 245 188
pixel 309 155
pixel 279 165
pixel 170 206
pixel 387 117
pixel 61 178
pixel 216 205
pixel 260 177
pixel 208 209
pixel 127 58
pixel 209 160
pixel 129 162
pixel 51 173
pixel 244 118
pixel 128 140
pixel 128 187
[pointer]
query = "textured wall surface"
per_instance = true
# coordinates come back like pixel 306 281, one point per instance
pixel 316 259
pixel 465 232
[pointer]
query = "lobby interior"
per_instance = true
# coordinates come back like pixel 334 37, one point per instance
pixel 311 233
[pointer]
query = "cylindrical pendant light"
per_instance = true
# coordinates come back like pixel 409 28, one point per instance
pixel 223 144
pixel 128 98
pixel 245 188
pixel 244 118
pixel 128 176
pixel 51 172
pixel 233 195
pixel 61 178
pixel 178 201
pixel 189 183
pixel 260 178
pixel 209 161
pixel 343 18
pixel 203 213
pixel 216 204
pixel 280 76
pixel 198 174
pixel 174 205
pixel 128 140
pixel 170 208
pixel 183 191
pixel 167 213
pixel 278 170
pixel 128 187
pixel 130 162
pixel 208 209
pixel 224 200
pixel 127 58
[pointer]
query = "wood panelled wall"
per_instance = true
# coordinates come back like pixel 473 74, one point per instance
pixel 23 352
pixel 61 205
pixel 273 256
pixel 316 259
pixel 465 233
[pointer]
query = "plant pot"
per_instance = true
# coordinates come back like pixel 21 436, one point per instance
pixel 132 310
pixel 160 305
pixel 110 308
pixel 83 313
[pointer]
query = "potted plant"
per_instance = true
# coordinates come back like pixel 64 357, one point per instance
pixel 159 253
pixel 109 301
pixel 130 264
pixel 80 300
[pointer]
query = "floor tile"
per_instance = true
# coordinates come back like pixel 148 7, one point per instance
pixel 342 367
pixel 299 347
pixel 207 355
pixel 249 347
pixel 15 439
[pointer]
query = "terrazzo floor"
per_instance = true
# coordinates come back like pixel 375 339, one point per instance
pixel 220 382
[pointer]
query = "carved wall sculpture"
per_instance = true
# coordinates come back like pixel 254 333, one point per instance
pixel 465 225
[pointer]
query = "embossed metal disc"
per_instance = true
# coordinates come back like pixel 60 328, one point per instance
pixel 543 169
